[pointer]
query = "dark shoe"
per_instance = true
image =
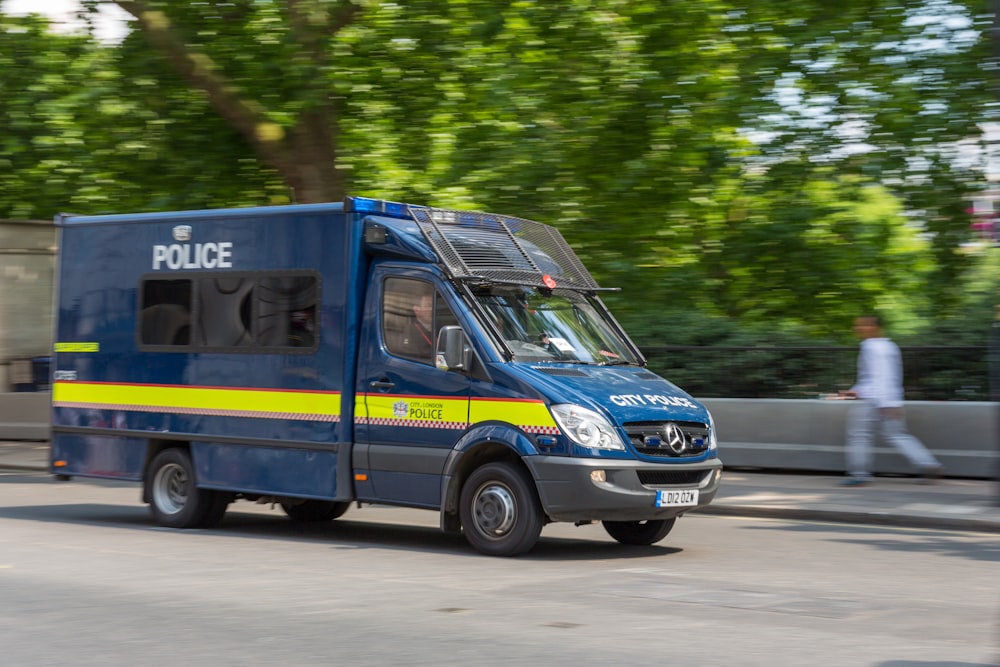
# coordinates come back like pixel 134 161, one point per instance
pixel 932 474
pixel 854 481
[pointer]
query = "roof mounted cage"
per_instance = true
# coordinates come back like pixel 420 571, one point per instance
pixel 502 249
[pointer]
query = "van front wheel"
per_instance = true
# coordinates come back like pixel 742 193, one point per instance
pixel 500 512
pixel 639 533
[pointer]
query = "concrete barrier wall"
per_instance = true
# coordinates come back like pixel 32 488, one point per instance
pixel 809 435
pixel 776 434
pixel 24 416
pixel 28 252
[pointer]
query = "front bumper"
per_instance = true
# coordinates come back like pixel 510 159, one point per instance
pixel 568 493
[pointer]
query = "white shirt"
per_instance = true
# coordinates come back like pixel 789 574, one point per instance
pixel 880 373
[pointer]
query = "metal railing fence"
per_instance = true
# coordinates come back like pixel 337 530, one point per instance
pixel 931 373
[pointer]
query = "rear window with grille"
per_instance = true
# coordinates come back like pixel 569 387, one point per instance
pixel 248 312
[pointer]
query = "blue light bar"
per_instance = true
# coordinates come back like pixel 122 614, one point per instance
pixel 380 206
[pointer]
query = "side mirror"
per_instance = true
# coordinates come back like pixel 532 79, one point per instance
pixel 453 352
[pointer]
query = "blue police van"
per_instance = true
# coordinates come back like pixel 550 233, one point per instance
pixel 322 355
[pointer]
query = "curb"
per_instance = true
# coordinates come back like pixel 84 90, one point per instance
pixel 22 468
pixel 855 517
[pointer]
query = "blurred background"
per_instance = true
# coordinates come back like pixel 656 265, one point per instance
pixel 752 175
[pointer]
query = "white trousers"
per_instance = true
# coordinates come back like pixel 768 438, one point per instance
pixel 863 419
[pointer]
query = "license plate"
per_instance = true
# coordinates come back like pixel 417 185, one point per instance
pixel 682 498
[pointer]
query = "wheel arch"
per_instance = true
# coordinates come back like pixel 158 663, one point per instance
pixel 484 443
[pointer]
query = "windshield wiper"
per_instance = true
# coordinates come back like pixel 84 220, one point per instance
pixel 577 362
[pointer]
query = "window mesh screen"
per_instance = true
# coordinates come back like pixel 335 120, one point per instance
pixel 502 248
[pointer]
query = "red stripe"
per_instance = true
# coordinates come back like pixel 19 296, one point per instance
pixel 455 398
pixel 389 421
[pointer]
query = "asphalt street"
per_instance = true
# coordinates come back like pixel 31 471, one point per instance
pixel 88 579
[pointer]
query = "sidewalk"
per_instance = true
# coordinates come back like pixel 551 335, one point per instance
pixel 948 504
pixel 24 455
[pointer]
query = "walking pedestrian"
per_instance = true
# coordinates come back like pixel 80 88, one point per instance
pixel 879 390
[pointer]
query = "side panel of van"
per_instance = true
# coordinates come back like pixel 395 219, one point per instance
pixel 220 331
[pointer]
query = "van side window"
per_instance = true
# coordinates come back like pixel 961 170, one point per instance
pixel 166 312
pixel 224 317
pixel 245 312
pixel 413 313
pixel 286 311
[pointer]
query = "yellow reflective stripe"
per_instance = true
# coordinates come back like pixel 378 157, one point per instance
pixel 430 411
pixel 395 409
pixel 360 408
pixel 525 412
pixel 417 408
pixel 267 402
pixel 77 347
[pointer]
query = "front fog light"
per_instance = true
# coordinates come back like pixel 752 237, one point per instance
pixel 598 476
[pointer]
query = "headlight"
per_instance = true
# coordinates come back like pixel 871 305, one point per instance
pixel 713 442
pixel 586 427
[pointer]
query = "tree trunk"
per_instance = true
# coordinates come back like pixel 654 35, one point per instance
pixel 305 154
pixel 308 163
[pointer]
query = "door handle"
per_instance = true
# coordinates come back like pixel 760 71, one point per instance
pixel 382 384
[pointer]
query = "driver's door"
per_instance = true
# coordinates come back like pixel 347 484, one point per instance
pixel 415 411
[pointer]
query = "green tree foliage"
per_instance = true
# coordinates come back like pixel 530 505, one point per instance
pixel 41 139
pixel 264 68
pixel 165 148
pixel 93 129
pixel 772 165
pixel 738 170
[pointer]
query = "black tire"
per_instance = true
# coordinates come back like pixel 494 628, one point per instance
pixel 217 505
pixel 500 512
pixel 639 533
pixel 174 497
pixel 309 511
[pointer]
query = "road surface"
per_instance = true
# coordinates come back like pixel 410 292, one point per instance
pixel 87 579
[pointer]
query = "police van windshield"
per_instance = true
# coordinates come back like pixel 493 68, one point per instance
pixel 557 326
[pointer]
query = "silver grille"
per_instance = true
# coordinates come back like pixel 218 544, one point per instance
pixel 650 438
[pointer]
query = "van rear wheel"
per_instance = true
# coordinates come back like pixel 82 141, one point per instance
pixel 639 533
pixel 174 497
pixel 314 510
pixel 218 503
pixel 500 512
